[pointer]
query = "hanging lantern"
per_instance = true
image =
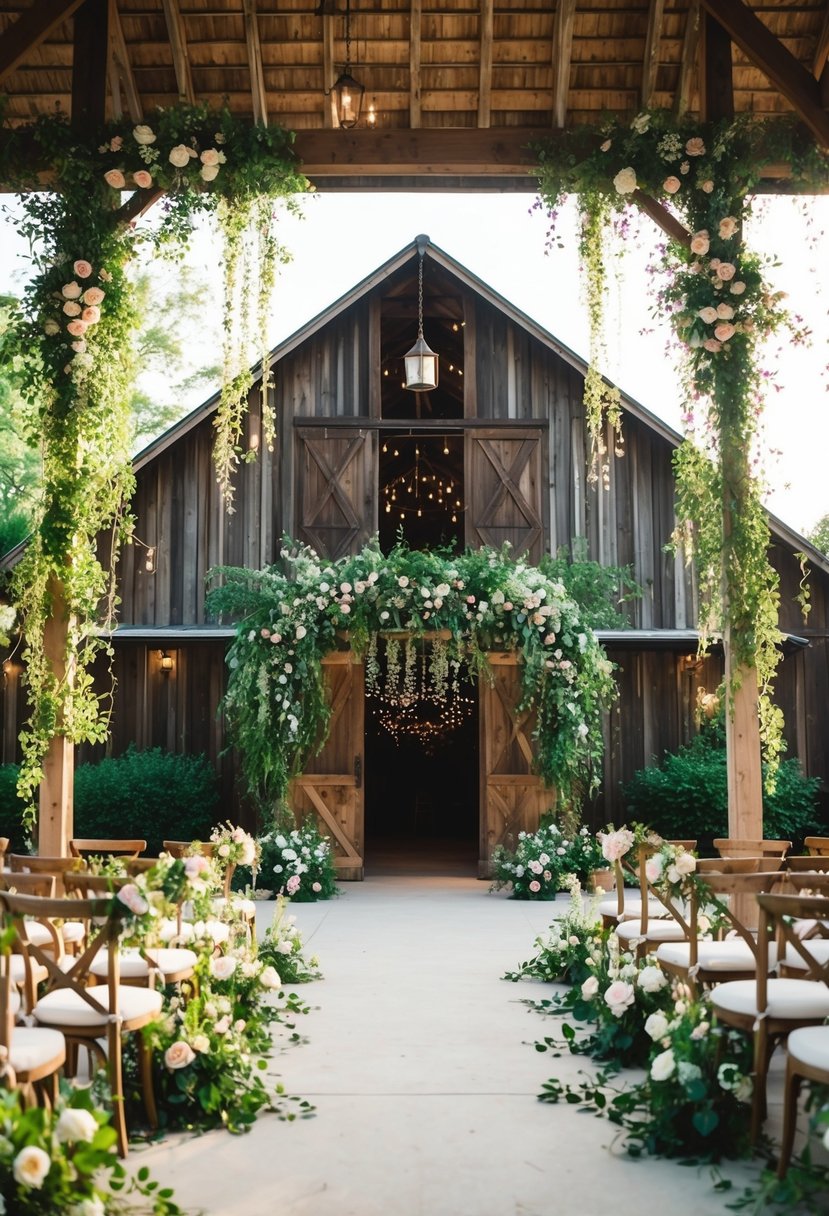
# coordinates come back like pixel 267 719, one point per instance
pixel 421 362
pixel 348 92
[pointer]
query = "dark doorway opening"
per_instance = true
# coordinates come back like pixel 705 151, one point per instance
pixel 421 793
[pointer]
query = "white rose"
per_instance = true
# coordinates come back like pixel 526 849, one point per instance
pixel 656 1026
pixel 625 181
pixel 179 156
pixel 590 987
pixel 142 134
pixel 31 1165
pixel 200 1043
pixel 208 173
pixel 686 863
pixel 663 1066
pixel 75 1124
pixel 651 979
pixel 222 968
pixel 209 157
pixel 179 1055
pixel 86 1207
pixel 270 978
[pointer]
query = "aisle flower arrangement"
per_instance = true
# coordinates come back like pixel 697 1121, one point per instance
pixel 454 609
pixel 282 948
pixel 298 863
pixel 562 953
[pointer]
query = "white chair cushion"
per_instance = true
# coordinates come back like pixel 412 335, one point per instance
pixel 810 1045
pixel 133 966
pixel 32 1047
pixel 658 931
pixel 632 907
pixel 74 931
pixel 786 998
pixel 38 934
pixel 17 970
pixel 63 1007
pixel 713 956
pixel 817 947
pixel 14 1002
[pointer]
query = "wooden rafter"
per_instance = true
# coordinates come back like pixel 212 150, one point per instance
pixel 653 39
pixel 485 73
pixel 662 217
pixel 414 63
pixel 562 51
pixel 329 117
pixel 688 63
pixel 178 46
pixel 775 61
pixel 822 48
pixel 257 74
pixel 716 70
pixel 90 55
pixel 30 29
pixel 120 69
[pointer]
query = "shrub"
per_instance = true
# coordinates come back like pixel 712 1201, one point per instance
pixel 298 863
pixel 152 795
pixel 11 809
pixel 687 795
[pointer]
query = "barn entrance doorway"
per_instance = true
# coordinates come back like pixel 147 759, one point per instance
pixel 422 803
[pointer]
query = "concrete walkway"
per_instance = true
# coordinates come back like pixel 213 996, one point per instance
pixel 424 1083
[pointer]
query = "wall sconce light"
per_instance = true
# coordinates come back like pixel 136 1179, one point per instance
pixel 421 362
pixel 348 92
pixel 165 662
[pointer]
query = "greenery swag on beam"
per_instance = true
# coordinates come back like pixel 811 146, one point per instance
pixel 696 180
pixel 71 342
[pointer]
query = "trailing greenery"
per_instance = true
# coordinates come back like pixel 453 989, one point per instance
pixel 686 794
pixel 722 311
pixel 71 345
pixel 291 615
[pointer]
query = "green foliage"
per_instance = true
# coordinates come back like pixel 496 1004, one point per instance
pixel 819 534
pixel 600 591
pixel 12 809
pixel 152 795
pixel 545 861
pixel 686 795
pixel 299 863
pixel 562 953
pixel 281 948
pixel 290 617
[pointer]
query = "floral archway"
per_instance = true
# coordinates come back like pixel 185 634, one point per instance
pixel 459 607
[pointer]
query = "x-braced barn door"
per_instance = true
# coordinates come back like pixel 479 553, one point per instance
pixel 513 797
pixel 336 492
pixel 504 487
pixel 332 784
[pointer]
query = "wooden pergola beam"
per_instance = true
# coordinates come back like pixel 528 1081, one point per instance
pixel 258 93
pixel 90 59
pixel 822 48
pixel 650 64
pixel 415 19
pixel 689 61
pixel 487 22
pixel 120 69
pixel 662 217
pixel 30 29
pixel 716 71
pixel 773 59
pixel 562 53
pixel 178 46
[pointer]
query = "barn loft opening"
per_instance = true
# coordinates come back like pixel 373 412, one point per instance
pixel 421 785
pixel 421 466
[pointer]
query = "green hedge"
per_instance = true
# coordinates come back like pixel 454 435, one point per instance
pixel 687 796
pixel 152 795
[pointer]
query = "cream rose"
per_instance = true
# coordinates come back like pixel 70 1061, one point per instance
pixel 708 315
pixel 179 1055
pixel 700 242
pixel 91 315
pixel 671 184
pixel 200 1043
pixel 726 271
pixel 712 345
pixel 707 186
pixel 722 333
pixel 142 179
pixel 72 308
pixel 209 157
pixel 51 327
pixel 31 1165
pixel 269 978
pixel 209 172
pixel 590 987
pixel 179 156
pixel 75 1124
pixel 656 1026
pixel 115 178
pixel 71 291
pixel 625 181
pixel 144 135
pixel 94 295
pixel 728 227
pixel 737 287
pixel 663 1066
pixel 222 968
pixel 695 146
pixel 725 312
pixel 82 268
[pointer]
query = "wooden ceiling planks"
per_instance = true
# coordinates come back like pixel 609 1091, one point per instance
pixel 477 65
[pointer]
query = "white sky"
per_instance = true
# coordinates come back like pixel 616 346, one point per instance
pixel 344 237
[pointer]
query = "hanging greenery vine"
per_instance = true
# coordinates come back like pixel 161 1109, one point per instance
pixel 72 339
pixel 721 309
pixel 295 613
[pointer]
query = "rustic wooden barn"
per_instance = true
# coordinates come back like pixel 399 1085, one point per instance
pixel 506 429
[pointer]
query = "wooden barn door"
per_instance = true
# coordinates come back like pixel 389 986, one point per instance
pixel 504 489
pixel 513 797
pixel 336 499
pixel 332 785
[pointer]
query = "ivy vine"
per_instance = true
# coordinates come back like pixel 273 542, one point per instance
pixel 71 340
pixel 721 309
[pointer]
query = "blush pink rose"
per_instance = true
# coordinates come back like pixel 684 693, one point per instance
pixel 724 331
pixel 71 291
pixel 72 308
pixel 77 328
pixel 707 186
pixel 535 885
pixel 712 345
pixel 91 315
pixel 728 227
pixel 737 287
pixel 179 1055
pixel 129 895
pixel 619 997
pixel 82 268
pixel 142 179
pixel 708 315
pixel 726 271
pixel 94 295
pixel 115 178
pixel 292 885
pixel 695 146
pixel 725 312
pixel 671 184
pixel 700 242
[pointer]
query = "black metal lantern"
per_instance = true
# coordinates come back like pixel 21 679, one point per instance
pixel 421 362
pixel 348 91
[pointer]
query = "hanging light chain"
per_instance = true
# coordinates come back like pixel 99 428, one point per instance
pixel 420 296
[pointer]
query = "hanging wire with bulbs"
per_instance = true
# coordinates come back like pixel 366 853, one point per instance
pixel 420 489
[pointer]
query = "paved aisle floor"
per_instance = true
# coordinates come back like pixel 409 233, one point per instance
pixel 424 1085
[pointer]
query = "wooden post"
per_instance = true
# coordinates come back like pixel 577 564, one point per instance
pixel 742 740
pixel 55 819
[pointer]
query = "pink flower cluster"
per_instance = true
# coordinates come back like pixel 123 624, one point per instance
pixel 82 305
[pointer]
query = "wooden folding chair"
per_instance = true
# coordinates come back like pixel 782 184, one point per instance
pixel 237 905
pixel 818 846
pixel 87 847
pixel 627 904
pixel 731 846
pixel 72 931
pixel 32 1056
pixel 83 1014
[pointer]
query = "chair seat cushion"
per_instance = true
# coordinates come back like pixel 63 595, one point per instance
pixel 657 931
pixel 133 966
pixel 64 1007
pixel 713 956
pixel 786 998
pixel 817 947
pixel 632 907
pixel 32 1047
pixel 17 970
pixel 74 931
pixel 810 1045
pixel 39 934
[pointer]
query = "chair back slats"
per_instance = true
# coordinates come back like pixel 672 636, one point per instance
pixel 813 863
pixel 23 863
pixel 732 846
pixel 29 884
pixel 817 845
pixel 781 913
pixel 84 847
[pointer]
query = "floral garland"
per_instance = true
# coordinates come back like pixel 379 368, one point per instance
pixel 721 310
pixel 71 341
pixel 292 616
